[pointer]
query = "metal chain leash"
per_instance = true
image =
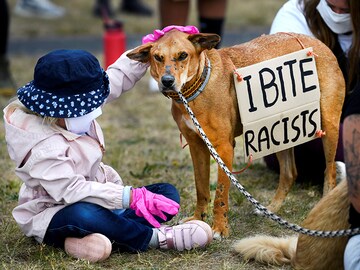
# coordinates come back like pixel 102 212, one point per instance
pixel 251 199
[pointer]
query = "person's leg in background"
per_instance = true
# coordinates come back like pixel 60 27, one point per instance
pixel 351 256
pixel 352 159
pixel 173 12
pixel 351 137
pixel 103 8
pixel 132 7
pixel 136 7
pixel 212 16
pixel 7 86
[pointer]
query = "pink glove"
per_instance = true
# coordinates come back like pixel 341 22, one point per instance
pixel 147 204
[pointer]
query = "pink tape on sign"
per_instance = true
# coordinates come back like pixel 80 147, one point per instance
pixel 189 29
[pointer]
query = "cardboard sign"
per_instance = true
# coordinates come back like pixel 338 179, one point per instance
pixel 279 103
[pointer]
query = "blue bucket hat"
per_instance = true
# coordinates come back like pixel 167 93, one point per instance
pixel 67 83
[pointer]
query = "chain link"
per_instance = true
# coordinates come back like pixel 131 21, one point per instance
pixel 251 199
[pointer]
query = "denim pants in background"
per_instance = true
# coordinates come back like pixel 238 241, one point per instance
pixel 123 227
pixel 352 253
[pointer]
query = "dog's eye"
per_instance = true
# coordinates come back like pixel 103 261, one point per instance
pixel 157 58
pixel 182 56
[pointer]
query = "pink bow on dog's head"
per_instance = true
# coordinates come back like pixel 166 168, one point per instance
pixel 189 29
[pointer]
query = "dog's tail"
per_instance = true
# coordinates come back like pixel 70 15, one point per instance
pixel 267 249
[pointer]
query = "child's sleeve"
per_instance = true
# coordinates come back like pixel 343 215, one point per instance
pixel 123 74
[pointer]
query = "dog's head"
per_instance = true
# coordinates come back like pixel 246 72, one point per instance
pixel 174 58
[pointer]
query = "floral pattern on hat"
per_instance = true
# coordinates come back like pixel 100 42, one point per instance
pixel 46 104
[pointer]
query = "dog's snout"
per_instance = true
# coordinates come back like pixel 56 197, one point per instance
pixel 167 80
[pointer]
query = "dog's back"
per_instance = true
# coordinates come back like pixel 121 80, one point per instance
pixel 267 47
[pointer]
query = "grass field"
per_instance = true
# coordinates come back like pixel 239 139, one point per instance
pixel 143 146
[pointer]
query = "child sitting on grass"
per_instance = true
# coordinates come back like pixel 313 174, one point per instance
pixel 69 198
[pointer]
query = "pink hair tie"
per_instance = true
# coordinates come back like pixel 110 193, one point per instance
pixel 189 29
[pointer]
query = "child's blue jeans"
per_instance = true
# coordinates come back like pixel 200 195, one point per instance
pixel 123 227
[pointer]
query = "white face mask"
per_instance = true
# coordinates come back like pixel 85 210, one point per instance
pixel 338 23
pixel 81 125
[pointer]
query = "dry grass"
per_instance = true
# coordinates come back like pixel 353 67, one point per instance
pixel 143 145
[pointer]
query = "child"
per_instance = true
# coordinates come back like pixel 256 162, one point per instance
pixel 69 198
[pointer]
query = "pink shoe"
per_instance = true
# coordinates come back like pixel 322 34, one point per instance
pixel 94 247
pixel 191 234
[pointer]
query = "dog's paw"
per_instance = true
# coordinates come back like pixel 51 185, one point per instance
pixel 220 233
pixel 217 236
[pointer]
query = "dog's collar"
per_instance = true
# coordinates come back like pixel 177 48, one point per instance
pixel 190 93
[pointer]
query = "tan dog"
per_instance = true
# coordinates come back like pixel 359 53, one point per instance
pixel 180 61
pixel 306 252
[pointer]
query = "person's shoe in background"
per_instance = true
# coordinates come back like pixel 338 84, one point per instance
pixel 103 8
pixel 38 8
pixel 135 7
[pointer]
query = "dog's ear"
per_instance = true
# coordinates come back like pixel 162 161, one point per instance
pixel 141 53
pixel 204 41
